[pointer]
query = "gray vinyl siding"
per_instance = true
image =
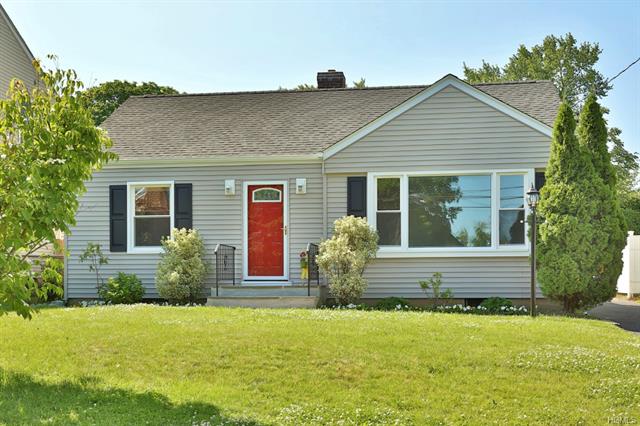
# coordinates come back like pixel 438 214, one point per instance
pixel 218 217
pixel 449 131
pixel 14 61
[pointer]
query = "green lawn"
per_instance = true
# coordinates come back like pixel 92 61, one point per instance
pixel 164 365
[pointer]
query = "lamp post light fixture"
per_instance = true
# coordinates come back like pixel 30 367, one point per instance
pixel 533 196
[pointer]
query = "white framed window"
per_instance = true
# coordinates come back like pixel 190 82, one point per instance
pixel 388 212
pixel 150 215
pixel 466 213
pixel 511 210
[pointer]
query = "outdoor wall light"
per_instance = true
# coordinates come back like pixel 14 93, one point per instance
pixel 301 186
pixel 230 187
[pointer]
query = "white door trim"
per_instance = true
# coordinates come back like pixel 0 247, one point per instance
pixel 245 229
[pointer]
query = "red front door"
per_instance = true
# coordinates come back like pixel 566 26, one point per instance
pixel 265 230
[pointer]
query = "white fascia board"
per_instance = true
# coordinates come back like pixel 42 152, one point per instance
pixel 446 81
pixel 219 160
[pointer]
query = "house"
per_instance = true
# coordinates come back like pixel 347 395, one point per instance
pixel 15 56
pixel 440 171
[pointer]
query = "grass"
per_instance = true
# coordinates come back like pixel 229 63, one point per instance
pixel 147 364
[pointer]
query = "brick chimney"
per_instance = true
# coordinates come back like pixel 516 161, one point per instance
pixel 331 79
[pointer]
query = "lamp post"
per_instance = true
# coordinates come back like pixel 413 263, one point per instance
pixel 533 196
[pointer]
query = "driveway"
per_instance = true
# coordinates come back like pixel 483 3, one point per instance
pixel 625 313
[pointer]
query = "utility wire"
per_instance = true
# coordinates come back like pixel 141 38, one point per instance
pixel 620 73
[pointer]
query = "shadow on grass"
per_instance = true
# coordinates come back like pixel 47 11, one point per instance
pixel 24 400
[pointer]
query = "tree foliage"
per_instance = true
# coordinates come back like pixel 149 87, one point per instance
pixel 610 221
pixel 579 245
pixel 105 98
pixel 571 66
pixel 49 146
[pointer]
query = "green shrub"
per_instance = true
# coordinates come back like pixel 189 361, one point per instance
pixel 495 305
pixel 182 268
pixel 433 285
pixel 125 288
pixel 345 255
pixel 50 279
pixel 393 304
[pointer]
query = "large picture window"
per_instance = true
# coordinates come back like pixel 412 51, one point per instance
pixel 151 214
pixel 463 212
pixel 450 211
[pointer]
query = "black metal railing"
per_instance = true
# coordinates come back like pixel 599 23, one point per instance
pixel 225 264
pixel 313 273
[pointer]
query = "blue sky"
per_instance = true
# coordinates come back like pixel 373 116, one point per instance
pixel 205 46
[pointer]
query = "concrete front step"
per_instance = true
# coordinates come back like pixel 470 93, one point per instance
pixel 262 290
pixel 265 302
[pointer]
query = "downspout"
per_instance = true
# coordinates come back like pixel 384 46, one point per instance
pixel 325 209
pixel 65 279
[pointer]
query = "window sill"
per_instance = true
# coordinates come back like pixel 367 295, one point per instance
pixel 390 253
pixel 145 250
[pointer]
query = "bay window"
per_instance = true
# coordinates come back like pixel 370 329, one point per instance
pixel 453 213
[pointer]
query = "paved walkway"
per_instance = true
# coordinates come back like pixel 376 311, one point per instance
pixel 625 313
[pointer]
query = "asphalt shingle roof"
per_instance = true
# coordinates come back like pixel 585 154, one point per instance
pixel 277 122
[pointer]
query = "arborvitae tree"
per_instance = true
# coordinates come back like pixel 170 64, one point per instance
pixel 569 241
pixel 609 218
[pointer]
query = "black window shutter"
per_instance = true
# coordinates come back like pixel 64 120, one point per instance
pixel 357 196
pixel 540 179
pixel 118 218
pixel 183 217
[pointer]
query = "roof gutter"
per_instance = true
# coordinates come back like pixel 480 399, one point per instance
pixel 222 160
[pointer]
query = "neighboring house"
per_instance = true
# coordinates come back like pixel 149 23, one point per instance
pixel 15 56
pixel 16 62
pixel 440 171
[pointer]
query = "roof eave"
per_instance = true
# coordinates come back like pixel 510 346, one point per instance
pixel 226 160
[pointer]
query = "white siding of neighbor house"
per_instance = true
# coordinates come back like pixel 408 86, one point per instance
pixel 218 218
pixel 449 131
pixel 14 61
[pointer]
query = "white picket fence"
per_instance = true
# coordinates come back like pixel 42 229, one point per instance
pixel 629 280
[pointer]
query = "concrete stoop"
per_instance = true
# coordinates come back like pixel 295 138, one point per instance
pixel 274 295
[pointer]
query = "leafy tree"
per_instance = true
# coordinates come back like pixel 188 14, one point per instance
pixel 49 146
pixel 571 66
pixel 305 86
pixel 360 84
pixel 105 98
pixel 93 254
pixel 570 236
pixel 592 136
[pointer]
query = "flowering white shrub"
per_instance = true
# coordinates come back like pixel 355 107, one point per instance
pixel 344 257
pixel 182 269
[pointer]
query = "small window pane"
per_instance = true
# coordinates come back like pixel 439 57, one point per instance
pixel 152 200
pixel 450 211
pixel 267 194
pixel 150 230
pixel 388 229
pixel 511 191
pixel 511 227
pixel 389 194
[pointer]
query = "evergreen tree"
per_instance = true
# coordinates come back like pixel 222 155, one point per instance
pixel 592 136
pixel 570 240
